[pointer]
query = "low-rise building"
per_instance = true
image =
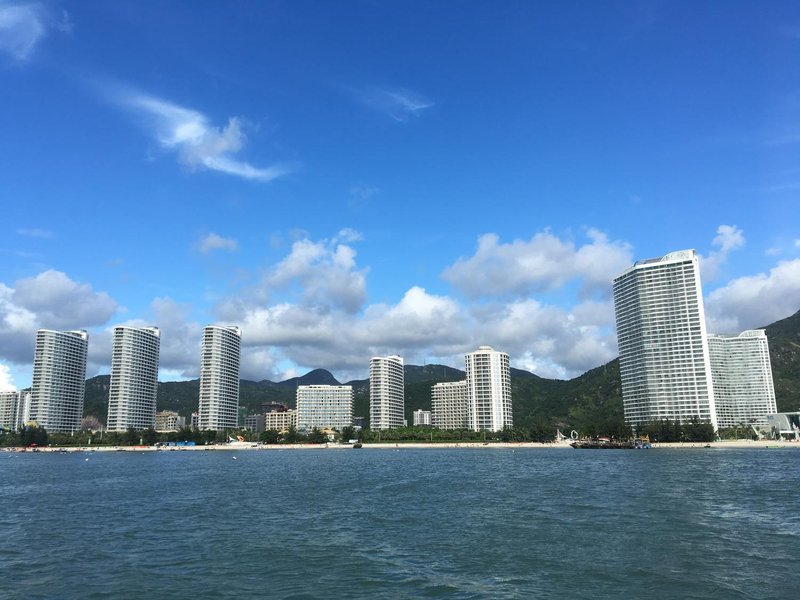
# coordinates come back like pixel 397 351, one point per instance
pixel 422 418
pixel 280 421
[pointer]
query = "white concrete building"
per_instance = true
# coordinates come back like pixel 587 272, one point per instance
pixel 134 378
pixel 742 377
pixel 219 377
pixel 422 418
pixel 9 407
pixel 663 346
pixel 449 405
pixel 386 392
pixel 488 388
pixel 59 378
pixel 324 407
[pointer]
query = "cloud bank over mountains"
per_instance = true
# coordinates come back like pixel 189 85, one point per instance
pixel 311 309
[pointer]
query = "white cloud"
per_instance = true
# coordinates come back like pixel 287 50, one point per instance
pixel 544 263
pixel 36 233
pixel 728 238
pixel 22 26
pixel 324 272
pixel 6 380
pixel 755 301
pixel 48 300
pixel 60 302
pixel 199 144
pixel 399 104
pixel 214 241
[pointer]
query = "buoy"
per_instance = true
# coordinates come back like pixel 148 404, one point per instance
pixel 234 458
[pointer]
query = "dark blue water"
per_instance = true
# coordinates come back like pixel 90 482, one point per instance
pixel 450 523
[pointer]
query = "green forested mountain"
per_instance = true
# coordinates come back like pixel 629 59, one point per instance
pixel 591 402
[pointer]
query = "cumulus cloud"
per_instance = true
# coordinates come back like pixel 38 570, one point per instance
pixel 6 380
pixel 728 239
pixel 213 241
pixel 49 300
pixel 60 302
pixel 543 263
pixel 324 273
pixel 198 144
pixel 400 104
pixel 755 301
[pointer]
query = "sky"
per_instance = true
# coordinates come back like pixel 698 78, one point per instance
pixel 359 178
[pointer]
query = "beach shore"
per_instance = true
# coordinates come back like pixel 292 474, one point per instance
pixel 248 446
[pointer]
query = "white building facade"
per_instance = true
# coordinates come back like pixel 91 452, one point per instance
pixel 134 378
pixel 449 406
pixel 742 376
pixel 386 392
pixel 220 357
pixel 324 407
pixel 9 408
pixel 59 379
pixel 488 389
pixel 422 418
pixel 663 346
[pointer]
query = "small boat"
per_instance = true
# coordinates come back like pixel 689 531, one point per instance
pixel 357 445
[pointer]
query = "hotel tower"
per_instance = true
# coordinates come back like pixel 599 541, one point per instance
pixel 488 390
pixel 742 377
pixel 59 378
pixel 134 378
pixel 663 348
pixel 219 377
pixel 386 392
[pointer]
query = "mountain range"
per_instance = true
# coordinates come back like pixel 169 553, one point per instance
pixel 591 401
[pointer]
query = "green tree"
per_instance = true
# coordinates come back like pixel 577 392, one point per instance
pixel 270 436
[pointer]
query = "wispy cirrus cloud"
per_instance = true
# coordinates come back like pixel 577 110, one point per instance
pixel 214 241
pixel 23 25
pixel 400 104
pixel 198 144
pixel 35 232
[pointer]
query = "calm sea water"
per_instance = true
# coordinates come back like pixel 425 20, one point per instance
pixel 449 523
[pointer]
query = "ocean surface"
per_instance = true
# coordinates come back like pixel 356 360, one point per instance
pixel 408 523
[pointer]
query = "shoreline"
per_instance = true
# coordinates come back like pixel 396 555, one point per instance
pixel 248 446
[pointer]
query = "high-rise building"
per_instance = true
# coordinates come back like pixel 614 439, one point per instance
pixel 449 406
pixel 134 378
pixel 386 392
pixel 488 388
pixel 219 377
pixel 663 348
pixel 742 377
pixel 59 378
pixel 324 407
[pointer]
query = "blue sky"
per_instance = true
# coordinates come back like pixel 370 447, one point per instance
pixel 344 179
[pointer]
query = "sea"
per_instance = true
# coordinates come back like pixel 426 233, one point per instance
pixel 401 523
